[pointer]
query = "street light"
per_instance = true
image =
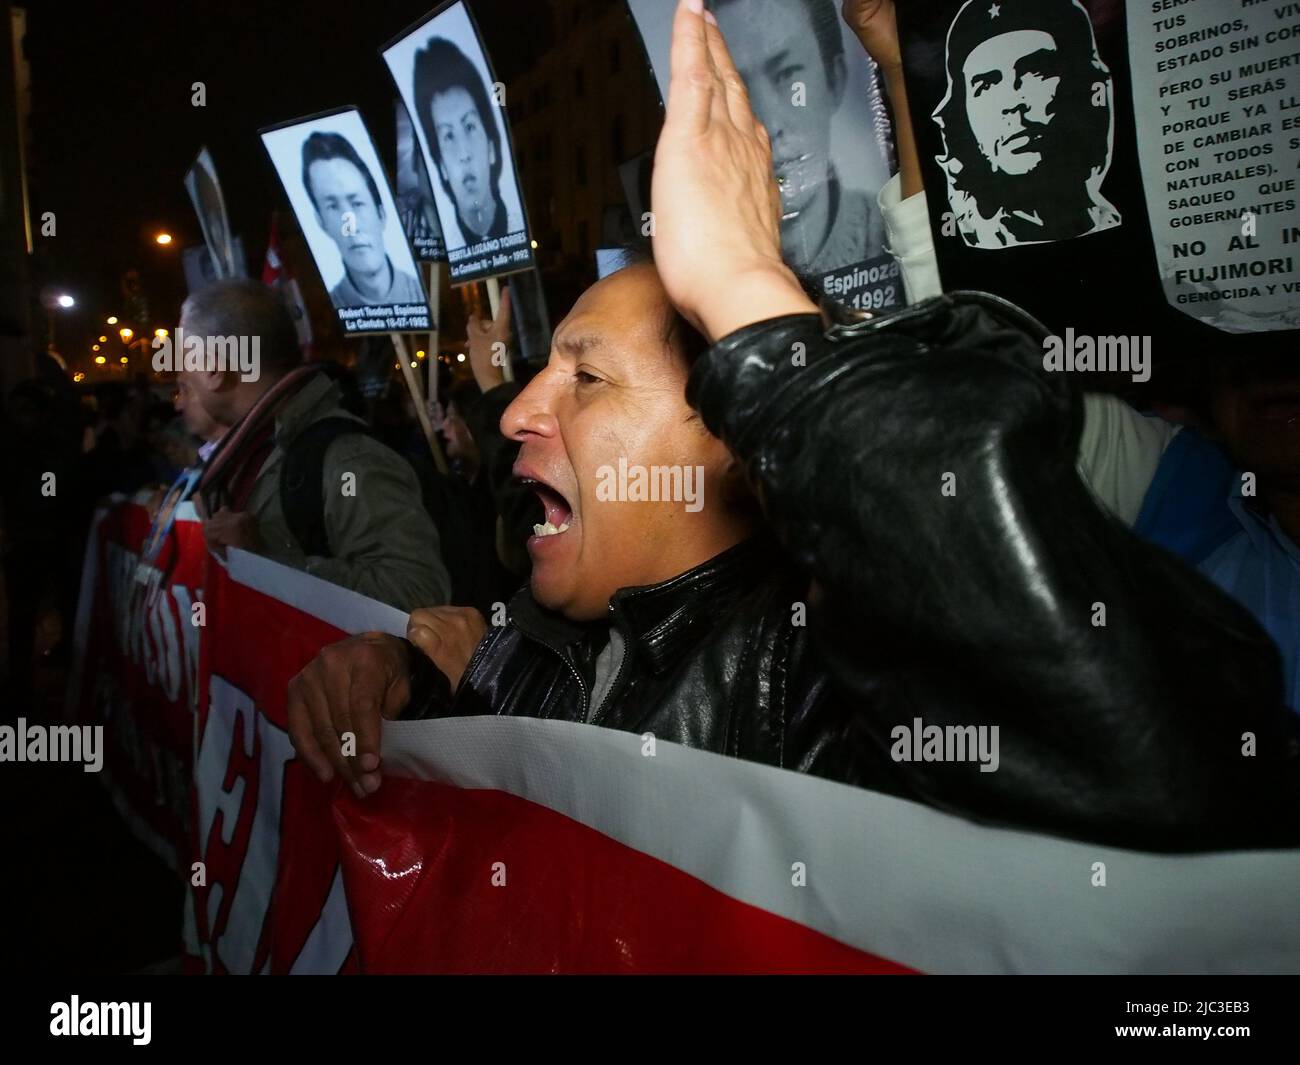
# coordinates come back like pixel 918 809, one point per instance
pixel 66 301
pixel 100 360
pixel 160 332
pixel 163 238
pixel 112 319
pixel 125 333
pixel 94 347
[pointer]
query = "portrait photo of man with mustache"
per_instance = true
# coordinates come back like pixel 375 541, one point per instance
pixel 1027 123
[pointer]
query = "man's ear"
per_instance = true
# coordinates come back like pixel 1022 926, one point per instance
pixel 734 487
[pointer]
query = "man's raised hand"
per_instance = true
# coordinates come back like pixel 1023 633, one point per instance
pixel 716 205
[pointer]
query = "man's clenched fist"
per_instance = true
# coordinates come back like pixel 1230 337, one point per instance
pixel 349 688
pixel 231 528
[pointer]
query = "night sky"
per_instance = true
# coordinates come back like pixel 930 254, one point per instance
pixel 113 130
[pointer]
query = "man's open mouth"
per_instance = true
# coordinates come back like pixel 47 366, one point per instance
pixel 557 514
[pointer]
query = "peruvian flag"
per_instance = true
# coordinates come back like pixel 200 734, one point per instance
pixel 276 274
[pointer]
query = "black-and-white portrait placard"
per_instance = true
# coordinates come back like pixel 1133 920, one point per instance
pixel 209 204
pixel 340 195
pixel 813 87
pixel 458 111
pixel 414 195
pixel 1028 124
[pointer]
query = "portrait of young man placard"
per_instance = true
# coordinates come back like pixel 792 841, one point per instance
pixel 338 190
pixel 457 107
pixel 815 91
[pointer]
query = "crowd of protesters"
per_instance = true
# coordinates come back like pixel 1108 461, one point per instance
pixel 824 485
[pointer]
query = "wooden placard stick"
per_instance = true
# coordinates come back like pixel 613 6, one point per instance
pixel 434 288
pixel 421 411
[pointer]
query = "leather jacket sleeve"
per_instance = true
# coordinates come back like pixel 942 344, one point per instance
pixel 920 467
pixel 431 694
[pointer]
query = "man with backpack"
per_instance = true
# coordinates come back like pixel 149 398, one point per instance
pixel 297 478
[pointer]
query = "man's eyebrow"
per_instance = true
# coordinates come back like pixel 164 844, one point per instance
pixel 991 77
pixel 579 345
pixel 777 61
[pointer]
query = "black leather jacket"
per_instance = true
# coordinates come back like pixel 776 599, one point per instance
pixel 918 477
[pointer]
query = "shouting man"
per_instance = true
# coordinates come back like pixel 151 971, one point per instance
pixel 892 529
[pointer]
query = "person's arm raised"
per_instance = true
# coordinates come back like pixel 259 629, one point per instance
pixel 919 468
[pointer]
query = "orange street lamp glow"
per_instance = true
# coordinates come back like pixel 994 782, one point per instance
pixel 163 238
pixel 94 347
pixel 112 319
pixel 78 377
pixel 419 354
pixel 125 333
pixel 124 360
pixel 160 332
pixel 100 360
pixel 103 340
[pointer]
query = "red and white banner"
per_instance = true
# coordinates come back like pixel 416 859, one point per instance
pixel 508 844
pixel 265 622
pixel 503 844
pixel 136 670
